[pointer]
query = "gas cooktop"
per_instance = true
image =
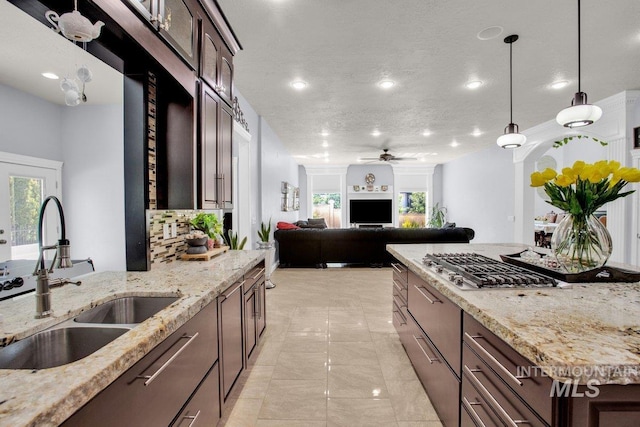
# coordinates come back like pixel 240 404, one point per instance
pixel 475 271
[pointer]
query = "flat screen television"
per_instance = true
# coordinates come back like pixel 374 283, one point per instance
pixel 371 211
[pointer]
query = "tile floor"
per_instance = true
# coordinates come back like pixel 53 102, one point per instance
pixel 330 357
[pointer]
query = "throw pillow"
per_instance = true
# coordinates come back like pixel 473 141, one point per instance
pixel 449 225
pixel 317 222
pixel 301 223
pixel 286 226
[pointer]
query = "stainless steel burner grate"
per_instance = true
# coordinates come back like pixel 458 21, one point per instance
pixel 484 272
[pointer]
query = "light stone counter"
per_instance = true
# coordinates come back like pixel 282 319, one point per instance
pixel 47 397
pixel 586 332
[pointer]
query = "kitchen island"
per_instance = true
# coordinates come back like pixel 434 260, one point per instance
pixel 47 397
pixel 584 335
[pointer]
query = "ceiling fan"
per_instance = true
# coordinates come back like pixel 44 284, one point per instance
pixel 386 157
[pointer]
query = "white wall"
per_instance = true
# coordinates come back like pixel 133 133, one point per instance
pixel 478 192
pixel 30 126
pixel 93 183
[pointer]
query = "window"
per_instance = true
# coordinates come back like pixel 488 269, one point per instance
pixel 411 209
pixel 329 207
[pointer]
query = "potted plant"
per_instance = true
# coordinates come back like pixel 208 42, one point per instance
pixel 232 240
pixel 209 224
pixel 437 216
pixel 263 234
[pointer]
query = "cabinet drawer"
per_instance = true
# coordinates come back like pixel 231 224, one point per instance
pixel 203 409
pixel 442 386
pixel 399 296
pixel 480 383
pixel 475 412
pixel 254 275
pixel 438 317
pixel 154 390
pixel 506 362
pixel 400 272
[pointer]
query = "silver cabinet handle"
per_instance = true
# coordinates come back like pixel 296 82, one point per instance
pixel 485 352
pixel 225 296
pixel 398 287
pixel 258 274
pixel 472 412
pixel 150 378
pixel 193 418
pixel 432 301
pixel 3 242
pixel 435 359
pixel 492 401
pixel 400 318
pixel 395 267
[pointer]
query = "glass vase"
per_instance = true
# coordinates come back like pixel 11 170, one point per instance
pixel 581 243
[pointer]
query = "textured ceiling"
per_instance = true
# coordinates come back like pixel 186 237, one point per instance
pixel 342 48
pixel 28 48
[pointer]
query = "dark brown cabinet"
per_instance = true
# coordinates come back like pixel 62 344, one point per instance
pixel 203 409
pixel 254 305
pixel 154 390
pixel 231 342
pixel 215 173
pixel 216 62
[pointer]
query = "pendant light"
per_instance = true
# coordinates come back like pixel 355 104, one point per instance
pixel 511 137
pixel 580 113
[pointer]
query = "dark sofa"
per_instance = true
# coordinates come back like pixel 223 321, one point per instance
pixel 317 247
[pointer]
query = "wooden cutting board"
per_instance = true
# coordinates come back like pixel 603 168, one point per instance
pixel 207 255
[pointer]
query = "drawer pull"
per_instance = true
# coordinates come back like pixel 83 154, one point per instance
pixel 396 268
pixel 492 401
pixel 193 418
pixel 150 378
pixel 225 296
pixel 485 352
pixel 435 359
pixel 402 320
pixel 398 287
pixel 258 274
pixel 472 412
pixel 432 301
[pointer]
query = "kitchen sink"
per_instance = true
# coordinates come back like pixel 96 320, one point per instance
pixel 56 347
pixel 127 310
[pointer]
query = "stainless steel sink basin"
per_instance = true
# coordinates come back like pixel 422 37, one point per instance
pixel 56 347
pixel 126 310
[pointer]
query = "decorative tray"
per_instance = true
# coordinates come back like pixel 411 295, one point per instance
pixel 597 275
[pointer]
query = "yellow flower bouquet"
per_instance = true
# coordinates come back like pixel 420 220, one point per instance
pixel 581 242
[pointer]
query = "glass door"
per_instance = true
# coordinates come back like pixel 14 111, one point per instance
pixel 22 190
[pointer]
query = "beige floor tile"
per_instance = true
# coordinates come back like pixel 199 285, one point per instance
pixel 351 381
pixel 410 401
pixel 290 423
pixel 360 413
pixel 346 315
pixel 268 352
pixel 352 353
pixel 349 332
pixel 241 413
pixel 257 381
pixel 306 342
pixel 419 424
pixel 301 366
pixel 295 400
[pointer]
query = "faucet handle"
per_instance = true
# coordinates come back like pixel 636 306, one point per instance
pixel 57 283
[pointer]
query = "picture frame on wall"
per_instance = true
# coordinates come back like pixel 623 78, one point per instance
pixel 636 137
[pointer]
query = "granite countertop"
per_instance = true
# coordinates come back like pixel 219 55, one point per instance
pixel 585 332
pixel 49 396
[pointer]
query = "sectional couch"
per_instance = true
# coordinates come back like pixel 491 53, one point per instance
pixel 316 247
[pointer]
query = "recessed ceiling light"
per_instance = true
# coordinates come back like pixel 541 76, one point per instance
pixel 376 132
pixel 386 84
pixel 434 154
pixel 326 160
pixel 454 144
pixel 325 144
pixel 324 133
pixel 559 84
pixel 426 132
pixel 490 32
pixel 50 76
pixel 474 84
pixel 298 84
pixel 476 132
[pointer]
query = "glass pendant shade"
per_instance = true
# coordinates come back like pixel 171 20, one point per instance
pixel 580 113
pixel 511 137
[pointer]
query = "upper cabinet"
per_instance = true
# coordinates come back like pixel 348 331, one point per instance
pixel 216 66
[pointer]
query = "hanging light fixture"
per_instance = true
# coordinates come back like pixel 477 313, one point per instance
pixel 580 113
pixel 511 137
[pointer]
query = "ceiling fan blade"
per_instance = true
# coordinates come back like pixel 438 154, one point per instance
pixel 405 158
pixel 369 158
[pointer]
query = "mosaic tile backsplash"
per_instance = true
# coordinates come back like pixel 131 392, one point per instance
pixel 163 250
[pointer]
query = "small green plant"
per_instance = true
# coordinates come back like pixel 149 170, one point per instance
pixel 410 224
pixel 231 239
pixel 437 216
pixel 208 223
pixel 567 139
pixel 265 231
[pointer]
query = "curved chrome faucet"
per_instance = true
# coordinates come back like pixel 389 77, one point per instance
pixel 63 256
